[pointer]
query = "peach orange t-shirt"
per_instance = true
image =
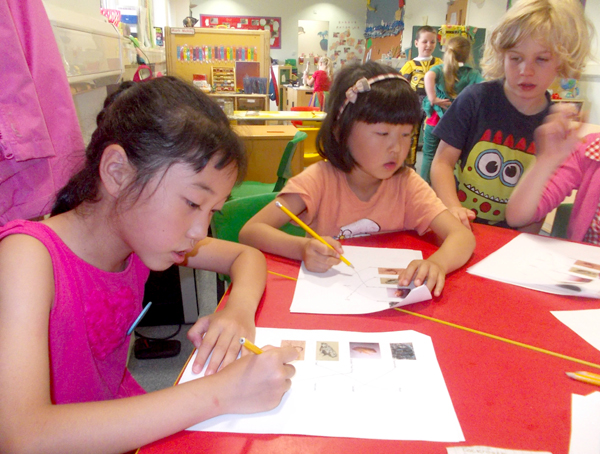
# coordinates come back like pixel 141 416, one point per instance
pixel 403 202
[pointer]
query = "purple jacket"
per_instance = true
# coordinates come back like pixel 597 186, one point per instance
pixel 40 140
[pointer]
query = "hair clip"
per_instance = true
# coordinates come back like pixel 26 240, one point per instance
pixel 363 84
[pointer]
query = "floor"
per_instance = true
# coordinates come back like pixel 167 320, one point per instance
pixel 155 374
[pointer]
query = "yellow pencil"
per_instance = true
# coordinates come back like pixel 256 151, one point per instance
pixel 310 231
pixel 586 377
pixel 250 346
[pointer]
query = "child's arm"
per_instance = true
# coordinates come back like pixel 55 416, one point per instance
pixel 443 183
pixel 458 245
pixel 261 231
pixel 429 83
pixel 219 333
pixel 555 140
pixel 30 422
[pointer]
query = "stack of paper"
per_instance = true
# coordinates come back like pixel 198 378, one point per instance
pixel 545 264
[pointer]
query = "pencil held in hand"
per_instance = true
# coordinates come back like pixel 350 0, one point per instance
pixel 250 346
pixel 310 231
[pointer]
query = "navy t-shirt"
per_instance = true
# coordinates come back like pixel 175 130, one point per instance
pixel 496 143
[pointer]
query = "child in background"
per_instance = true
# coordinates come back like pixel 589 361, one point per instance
pixel 162 159
pixel 563 163
pixel 443 83
pixel 363 187
pixel 488 130
pixel 321 79
pixel 414 70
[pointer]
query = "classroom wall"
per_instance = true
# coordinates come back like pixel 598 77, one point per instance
pixel 290 12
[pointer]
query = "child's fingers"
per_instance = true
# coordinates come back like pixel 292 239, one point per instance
pixel 435 284
pixel 406 276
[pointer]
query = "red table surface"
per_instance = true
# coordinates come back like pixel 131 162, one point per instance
pixel 504 395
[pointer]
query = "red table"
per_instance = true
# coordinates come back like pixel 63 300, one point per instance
pixel 504 395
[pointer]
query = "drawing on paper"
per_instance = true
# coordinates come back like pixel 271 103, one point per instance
pixel 328 351
pixel 298 345
pixel 366 350
pixel 394 271
pixel 403 351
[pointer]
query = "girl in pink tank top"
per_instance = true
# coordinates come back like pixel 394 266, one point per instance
pixel 162 160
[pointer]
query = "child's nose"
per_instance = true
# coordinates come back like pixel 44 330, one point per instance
pixel 199 229
pixel 527 68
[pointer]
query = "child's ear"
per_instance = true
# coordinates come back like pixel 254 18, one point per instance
pixel 115 170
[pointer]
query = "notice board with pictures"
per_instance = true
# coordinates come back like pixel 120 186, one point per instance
pixel 272 24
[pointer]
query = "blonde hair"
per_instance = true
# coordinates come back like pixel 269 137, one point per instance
pixel 561 25
pixel 458 50
pixel 328 65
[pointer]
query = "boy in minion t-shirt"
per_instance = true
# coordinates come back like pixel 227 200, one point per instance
pixel 414 70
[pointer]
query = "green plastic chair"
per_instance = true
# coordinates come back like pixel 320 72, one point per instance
pixel 284 173
pixel 227 223
pixel 561 220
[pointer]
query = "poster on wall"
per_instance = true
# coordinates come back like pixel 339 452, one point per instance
pixel 273 24
pixel 347 43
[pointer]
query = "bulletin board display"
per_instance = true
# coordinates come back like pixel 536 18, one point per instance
pixel 272 24
pixel 185 66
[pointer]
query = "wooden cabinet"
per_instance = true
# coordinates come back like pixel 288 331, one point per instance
pixel 241 102
pixel 296 97
pixel 264 148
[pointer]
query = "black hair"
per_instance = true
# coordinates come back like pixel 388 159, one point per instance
pixel 158 122
pixel 390 101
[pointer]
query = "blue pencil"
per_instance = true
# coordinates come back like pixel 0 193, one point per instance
pixel 139 319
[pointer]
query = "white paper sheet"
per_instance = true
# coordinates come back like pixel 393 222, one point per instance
pixel 585 424
pixel 367 288
pixel 545 264
pixel 586 323
pixel 360 385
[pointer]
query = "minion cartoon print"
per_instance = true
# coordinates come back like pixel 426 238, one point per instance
pixel 491 171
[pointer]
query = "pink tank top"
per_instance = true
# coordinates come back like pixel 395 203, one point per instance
pixel 92 311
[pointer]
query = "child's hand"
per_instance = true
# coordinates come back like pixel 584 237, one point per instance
pixel 557 137
pixel 464 215
pixel 257 382
pixel 220 334
pixel 424 271
pixel 318 258
pixel 443 103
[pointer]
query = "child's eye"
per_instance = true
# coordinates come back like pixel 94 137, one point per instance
pixel 192 204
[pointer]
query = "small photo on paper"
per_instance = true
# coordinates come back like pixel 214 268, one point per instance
pixel 392 271
pixel 584 272
pixel 300 346
pixel 389 280
pixel 585 264
pixel 365 350
pixel 403 351
pixel 328 351
pixel 399 292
